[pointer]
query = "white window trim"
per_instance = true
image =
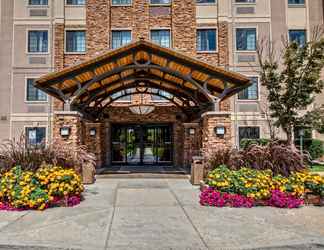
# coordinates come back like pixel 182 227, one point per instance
pixel 161 28
pixel 49 39
pixel 217 40
pixel 256 40
pixel 37 126
pixel 121 5
pixel 26 86
pixel 259 92
pixel 75 53
pixel 120 29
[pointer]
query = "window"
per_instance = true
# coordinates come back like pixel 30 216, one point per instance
pixel 38 2
pixel 75 41
pixel 159 97
pixel 120 38
pixel 252 92
pixel 75 2
pixel 244 1
pixel 205 1
pixel 206 40
pixel 38 41
pixel 33 94
pixel 122 97
pixel 35 136
pixel 246 39
pixel 160 1
pixel 121 2
pixel 161 37
pixel 292 2
pixel 249 133
pixel 298 36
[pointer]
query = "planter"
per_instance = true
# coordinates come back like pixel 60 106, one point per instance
pixel 313 199
pixel 88 174
pixel 261 203
pixel 203 186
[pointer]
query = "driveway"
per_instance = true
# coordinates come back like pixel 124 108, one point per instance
pixel 159 214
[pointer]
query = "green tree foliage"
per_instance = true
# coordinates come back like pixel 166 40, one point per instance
pixel 293 80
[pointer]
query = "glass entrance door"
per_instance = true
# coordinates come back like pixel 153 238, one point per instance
pixel 142 144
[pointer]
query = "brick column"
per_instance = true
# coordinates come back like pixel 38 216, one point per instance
pixel 71 120
pixel 96 142
pixel 210 121
pixel 191 142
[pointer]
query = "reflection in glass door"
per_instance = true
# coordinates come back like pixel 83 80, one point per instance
pixel 142 144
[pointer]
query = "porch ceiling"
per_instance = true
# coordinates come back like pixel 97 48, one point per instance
pixel 141 64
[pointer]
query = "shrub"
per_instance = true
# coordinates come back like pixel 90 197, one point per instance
pixel 316 149
pixel 16 153
pixel 245 143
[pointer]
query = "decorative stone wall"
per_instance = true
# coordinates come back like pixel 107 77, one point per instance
pixel 210 141
pixel 192 142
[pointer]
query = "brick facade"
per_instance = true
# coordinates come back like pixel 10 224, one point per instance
pixel 141 18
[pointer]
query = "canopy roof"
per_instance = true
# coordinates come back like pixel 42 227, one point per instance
pixel 139 67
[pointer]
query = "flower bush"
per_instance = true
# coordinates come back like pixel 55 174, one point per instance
pixel 262 186
pixel 49 184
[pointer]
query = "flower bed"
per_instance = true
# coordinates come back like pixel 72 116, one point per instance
pixel 262 187
pixel 49 186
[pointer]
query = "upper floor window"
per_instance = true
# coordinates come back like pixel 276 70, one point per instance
pixel 292 2
pixel 75 41
pixel 244 1
pixel 206 39
pixel 252 92
pixel 206 1
pixel 38 41
pixel 120 38
pixel 298 36
pixel 33 94
pixel 121 2
pixel 160 1
pixel 75 2
pixel 161 37
pixel 38 2
pixel 35 136
pixel 246 39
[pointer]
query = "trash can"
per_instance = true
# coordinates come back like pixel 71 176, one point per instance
pixel 197 170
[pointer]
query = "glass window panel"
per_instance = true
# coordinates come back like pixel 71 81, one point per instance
pixel 161 37
pixel 34 94
pixel 252 92
pixel 121 2
pixel 75 2
pixel 246 39
pixel 38 41
pixel 296 2
pixel 160 1
pixel 206 40
pixel 35 136
pixel 38 2
pixel 205 1
pixel 245 1
pixel 249 133
pixel 75 41
pixel 298 36
pixel 120 38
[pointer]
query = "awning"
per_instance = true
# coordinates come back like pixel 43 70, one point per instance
pixel 141 66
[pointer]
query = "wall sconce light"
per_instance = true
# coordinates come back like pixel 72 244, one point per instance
pixel 65 131
pixel 192 131
pixel 220 131
pixel 93 131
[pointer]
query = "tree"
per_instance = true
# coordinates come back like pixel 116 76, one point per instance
pixel 292 80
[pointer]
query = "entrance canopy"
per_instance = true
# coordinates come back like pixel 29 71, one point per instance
pixel 141 67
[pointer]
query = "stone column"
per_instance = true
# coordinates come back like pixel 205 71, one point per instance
pixel 210 140
pixel 71 120
pixel 191 142
pixel 95 140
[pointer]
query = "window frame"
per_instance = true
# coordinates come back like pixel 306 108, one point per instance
pixel 65 41
pixel 119 29
pixel 160 4
pixel 117 5
pixel 247 3
pixel 33 127
pixel 203 4
pixel 207 51
pixel 161 100
pixel 48 42
pixel 26 91
pixel 248 126
pixel 259 91
pixel 304 30
pixel 37 5
pixel 162 29
pixel 256 39
pixel 296 5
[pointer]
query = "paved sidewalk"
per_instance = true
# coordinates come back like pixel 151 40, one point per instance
pixel 159 214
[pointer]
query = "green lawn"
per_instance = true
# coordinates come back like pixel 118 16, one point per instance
pixel 317 168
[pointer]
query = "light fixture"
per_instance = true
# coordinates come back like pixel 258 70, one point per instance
pixel 220 131
pixel 141 108
pixel 93 132
pixel 192 131
pixel 65 131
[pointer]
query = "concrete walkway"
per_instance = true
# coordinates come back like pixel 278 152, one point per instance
pixel 159 214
